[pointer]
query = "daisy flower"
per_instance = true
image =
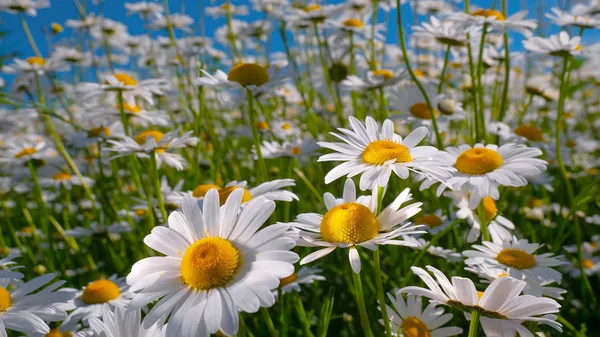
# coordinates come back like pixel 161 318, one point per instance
pixel 145 9
pixel 375 79
pixel 376 154
pixel 217 264
pixel 563 18
pixel 121 322
pixel 20 151
pixel 305 275
pixel 28 7
pixel 284 130
pixel 411 104
pixel 481 169
pixel 502 308
pixel 64 179
pixel 97 229
pixel 178 21
pixel 226 9
pixel 24 311
pixel 137 114
pixel 556 45
pixel 518 258
pixel 8 273
pixel 314 14
pixel 433 222
pixel 122 83
pixel 351 222
pixel 270 190
pixel 409 319
pixel 156 142
pixel 447 254
pixel 296 149
pixel 445 32
pixel 95 299
pixel 34 65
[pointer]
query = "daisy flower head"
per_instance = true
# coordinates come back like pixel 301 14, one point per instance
pixel 284 130
pixel 21 150
pixel 433 222
pixel 375 154
pixel 411 104
pixel 314 14
pixel 561 45
pixel 563 18
pixel 502 308
pixel 95 299
pixel 446 32
pixel 409 319
pixel 176 20
pixel 124 84
pixel 375 79
pixel 136 114
pixel 306 275
pixel 155 142
pixel 64 179
pixel 217 263
pixel 351 222
pixel 270 190
pixel 24 310
pixel 145 9
pixel 481 169
pixel 226 9
pixel 120 322
pixel 297 149
pixel 449 255
pixel 34 65
pixel 28 7
pixel 8 270
pixel 518 258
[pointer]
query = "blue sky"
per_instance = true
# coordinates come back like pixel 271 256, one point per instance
pixel 62 10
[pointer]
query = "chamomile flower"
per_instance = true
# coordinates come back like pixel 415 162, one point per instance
pixel 421 244
pixel 298 149
pixel 351 222
pixel 270 190
pixel 306 275
pixel 95 299
pixel 157 143
pixel 121 322
pixel 563 18
pixel 34 65
pixel 217 264
pixel 376 154
pixel 446 32
pixel 556 45
pixel 375 79
pixel 411 104
pixel 284 129
pixel 481 169
pixel 28 7
pixel 24 311
pixel 8 270
pixel 123 84
pixel 137 114
pixel 177 21
pixel 314 14
pixel 64 179
pixel 517 256
pixel 409 319
pixel 226 9
pixel 502 308
pixel 145 9
pixel 98 229
pixel 20 151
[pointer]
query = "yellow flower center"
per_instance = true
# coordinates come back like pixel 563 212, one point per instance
pixel 140 212
pixel 414 327
pixel 225 192
pixel 101 291
pixel 62 176
pixel 202 189
pixel 419 73
pixel 262 126
pixel 381 151
pixel 28 151
pixel 125 79
pixel 56 28
pixel 489 208
pixel 141 138
pixel 97 132
pixel 5 299
pixel 130 108
pixel 296 150
pixel 209 263
pixel 578 47
pixel 349 223
pixel 248 74
pixel 516 258
pixel 478 161
pixel 312 8
pixel 488 13
pixel 287 280
pixel 421 110
pixel 57 333
pixel 430 220
pixel 384 73
pixel 530 133
pixel 36 60
pixel 587 264
pixel 286 126
pixel 355 23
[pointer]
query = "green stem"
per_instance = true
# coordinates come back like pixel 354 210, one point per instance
pixel 360 301
pixel 480 86
pixel 267 318
pixel 380 292
pixel 443 74
pixel 251 115
pixel 159 197
pixel 338 108
pixel 124 117
pixel 28 35
pixel 474 326
pixel 504 102
pixel 483 222
pixel 414 78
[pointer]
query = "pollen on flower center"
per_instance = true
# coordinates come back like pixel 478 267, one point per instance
pixel 209 263
pixel 296 150
pixel 57 333
pixel 225 192
pixel 430 220
pixel 354 23
pixel 312 8
pixel 414 327
pixel 488 13
pixel 62 176
pixel 530 133
pixel 5 299
pixel 28 151
pixel 421 110
pixel 141 138
pixel 248 74
pixel 262 126
pixel 489 208
pixel 202 189
pixel 587 264
pixel 97 132
pixel 101 291
pixel 286 126
pixel 349 223
pixel 384 73
pixel 516 258
pixel 36 60
pixel 287 280
pixel 478 161
pixel 125 79
pixel 381 151
pixel 130 108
